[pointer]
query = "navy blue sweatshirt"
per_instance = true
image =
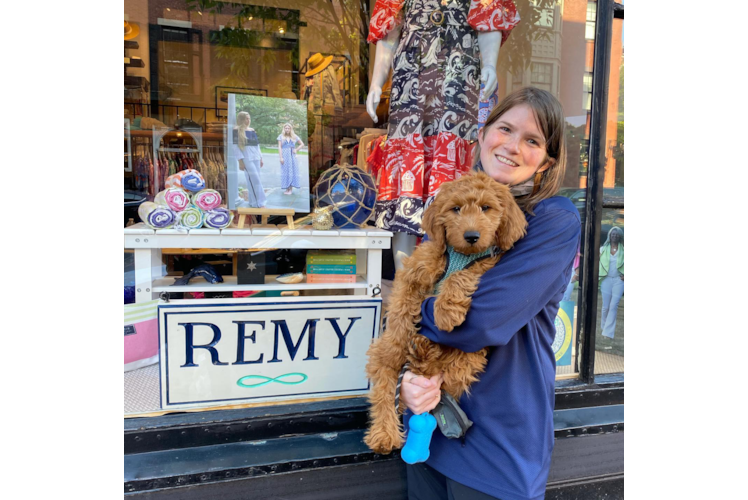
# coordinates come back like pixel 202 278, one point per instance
pixel 507 452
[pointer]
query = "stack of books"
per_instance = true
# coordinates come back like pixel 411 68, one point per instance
pixel 331 266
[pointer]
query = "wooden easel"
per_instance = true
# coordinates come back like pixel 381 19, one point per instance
pixel 265 213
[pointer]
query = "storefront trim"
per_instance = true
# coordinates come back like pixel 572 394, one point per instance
pixel 681 12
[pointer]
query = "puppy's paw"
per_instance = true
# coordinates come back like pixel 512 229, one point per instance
pixel 384 442
pixel 448 315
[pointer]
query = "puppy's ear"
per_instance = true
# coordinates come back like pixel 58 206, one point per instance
pixel 513 224
pixel 432 222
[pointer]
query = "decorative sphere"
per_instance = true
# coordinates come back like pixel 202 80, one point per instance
pixel 349 192
pixel 321 219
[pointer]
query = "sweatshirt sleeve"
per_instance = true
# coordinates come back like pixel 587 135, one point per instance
pixel 518 288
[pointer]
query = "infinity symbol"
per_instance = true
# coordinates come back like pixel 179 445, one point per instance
pixel 267 380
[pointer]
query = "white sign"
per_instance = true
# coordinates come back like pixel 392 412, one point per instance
pixel 237 351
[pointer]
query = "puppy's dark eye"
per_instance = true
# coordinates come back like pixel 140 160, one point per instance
pixel 485 207
pixel 456 210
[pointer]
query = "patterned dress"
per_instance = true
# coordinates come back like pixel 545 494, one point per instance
pixel 434 99
pixel 290 166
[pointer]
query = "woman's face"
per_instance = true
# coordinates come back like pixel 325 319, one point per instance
pixel 286 129
pixel 513 147
pixel 615 236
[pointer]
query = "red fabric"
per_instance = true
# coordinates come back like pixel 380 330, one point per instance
pixel 417 167
pixel 498 15
pixel 385 16
pixel 375 160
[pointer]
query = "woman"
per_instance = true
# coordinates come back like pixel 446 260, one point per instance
pixel 611 280
pixel 287 150
pixel 507 452
pixel 247 150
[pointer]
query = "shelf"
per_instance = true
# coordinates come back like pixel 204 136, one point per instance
pixel 136 82
pixel 141 236
pixel 135 63
pixel 229 285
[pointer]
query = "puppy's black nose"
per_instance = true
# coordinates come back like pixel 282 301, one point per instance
pixel 471 236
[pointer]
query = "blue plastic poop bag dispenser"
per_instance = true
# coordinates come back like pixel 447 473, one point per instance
pixel 417 444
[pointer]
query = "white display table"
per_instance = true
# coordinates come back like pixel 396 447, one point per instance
pixel 150 279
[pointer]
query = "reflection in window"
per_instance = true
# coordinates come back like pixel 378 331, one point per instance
pixel 587 89
pixel 542 75
pixel 610 298
pixel 589 29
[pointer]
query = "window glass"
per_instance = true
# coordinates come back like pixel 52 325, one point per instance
pixel 192 67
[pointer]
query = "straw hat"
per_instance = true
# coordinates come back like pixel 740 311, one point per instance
pixel 131 30
pixel 317 63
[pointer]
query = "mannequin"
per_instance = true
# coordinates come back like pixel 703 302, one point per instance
pixel 434 100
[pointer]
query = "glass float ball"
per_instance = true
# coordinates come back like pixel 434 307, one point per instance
pixel 349 192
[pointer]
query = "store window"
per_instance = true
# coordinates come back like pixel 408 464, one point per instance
pixel 611 297
pixel 198 72
pixel 542 75
pixel 587 91
pixel 589 29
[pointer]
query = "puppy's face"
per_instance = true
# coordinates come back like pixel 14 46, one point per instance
pixel 474 213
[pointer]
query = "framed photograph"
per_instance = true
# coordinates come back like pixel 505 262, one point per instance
pixel 222 97
pixel 128 151
pixel 267 153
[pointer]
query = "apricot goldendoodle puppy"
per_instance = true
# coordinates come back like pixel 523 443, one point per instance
pixel 473 214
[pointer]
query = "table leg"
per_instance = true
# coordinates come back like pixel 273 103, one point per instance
pixel 143 274
pixel 374 271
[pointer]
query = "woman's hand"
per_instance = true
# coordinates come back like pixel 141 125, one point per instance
pixel 262 163
pixel 421 394
pixel 281 160
pixel 622 277
pixel 241 164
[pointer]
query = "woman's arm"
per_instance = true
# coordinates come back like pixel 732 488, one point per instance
pixel 236 152
pixel 280 151
pixel 300 143
pixel 523 282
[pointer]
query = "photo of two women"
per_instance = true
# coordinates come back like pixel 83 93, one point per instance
pixel 268 160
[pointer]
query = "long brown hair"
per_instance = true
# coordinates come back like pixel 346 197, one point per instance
pixel 549 115
pixel 240 118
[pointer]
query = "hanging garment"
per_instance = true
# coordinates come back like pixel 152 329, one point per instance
pixel 434 101
pixel 325 102
pixel 375 159
pixel 367 137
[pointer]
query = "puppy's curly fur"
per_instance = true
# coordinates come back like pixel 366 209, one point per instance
pixel 472 203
